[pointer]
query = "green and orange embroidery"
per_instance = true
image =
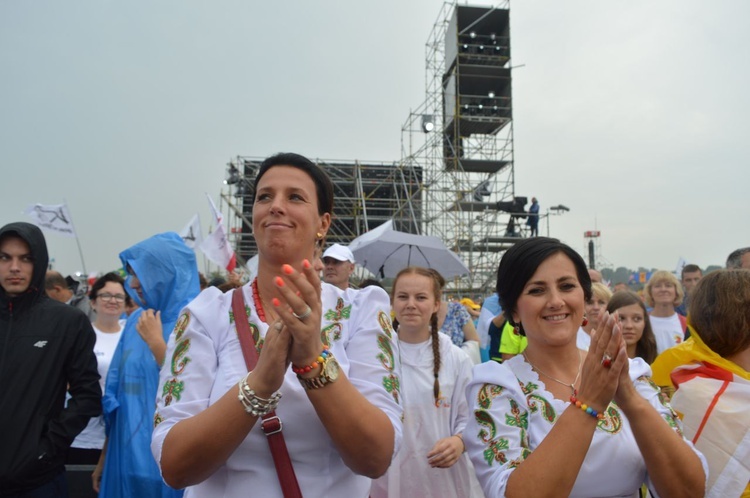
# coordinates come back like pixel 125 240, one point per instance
pixel 180 359
pixel 391 382
pixel 339 313
pixel 496 448
pixel 158 419
pixel 385 324
pixel 331 333
pixel 181 325
pixel 486 393
pixel 672 418
pixel 172 390
pixel 612 421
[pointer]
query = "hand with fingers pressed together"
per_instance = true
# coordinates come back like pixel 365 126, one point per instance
pixel 560 412
pixel 326 363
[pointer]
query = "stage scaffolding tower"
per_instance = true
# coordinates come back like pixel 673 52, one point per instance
pixel 461 138
pixel 455 178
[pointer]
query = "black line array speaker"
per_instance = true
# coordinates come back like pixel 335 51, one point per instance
pixel 477 80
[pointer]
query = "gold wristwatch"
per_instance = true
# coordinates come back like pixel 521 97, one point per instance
pixel 328 374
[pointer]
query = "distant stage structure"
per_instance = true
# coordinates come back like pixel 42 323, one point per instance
pixel 366 195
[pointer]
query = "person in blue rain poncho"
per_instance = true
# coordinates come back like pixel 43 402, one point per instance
pixel 162 279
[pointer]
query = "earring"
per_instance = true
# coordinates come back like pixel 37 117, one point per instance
pixel 319 235
pixel 517 329
pixel 585 321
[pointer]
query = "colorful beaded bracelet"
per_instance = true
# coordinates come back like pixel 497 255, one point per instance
pixel 303 370
pixel 586 408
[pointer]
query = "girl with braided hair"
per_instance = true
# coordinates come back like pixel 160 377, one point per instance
pixel 435 372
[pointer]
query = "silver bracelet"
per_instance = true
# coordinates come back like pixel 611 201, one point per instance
pixel 254 404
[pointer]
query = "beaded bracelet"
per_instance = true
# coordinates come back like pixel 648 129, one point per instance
pixel 303 370
pixel 254 404
pixel 586 408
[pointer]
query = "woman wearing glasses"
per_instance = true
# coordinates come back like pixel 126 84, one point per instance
pixel 107 297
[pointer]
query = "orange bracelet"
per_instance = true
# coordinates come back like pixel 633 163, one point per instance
pixel 586 408
pixel 303 370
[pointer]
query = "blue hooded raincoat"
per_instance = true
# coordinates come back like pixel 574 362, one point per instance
pixel 168 273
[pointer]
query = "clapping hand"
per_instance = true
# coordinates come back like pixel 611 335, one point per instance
pixel 605 361
pixel 301 311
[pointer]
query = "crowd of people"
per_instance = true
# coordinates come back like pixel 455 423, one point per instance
pixel 299 382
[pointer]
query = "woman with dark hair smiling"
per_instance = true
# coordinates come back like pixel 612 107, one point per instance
pixel 557 421
pixel 286 384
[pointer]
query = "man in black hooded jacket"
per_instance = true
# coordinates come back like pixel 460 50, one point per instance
pixel 46 349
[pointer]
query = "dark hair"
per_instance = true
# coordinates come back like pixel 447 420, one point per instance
pixel 520 263
pixel 102 281
pixel 368 282
pixel 646 346
pixel 690 269
pixel 323 184
pixel 719 311
pixel 436 288
pixel 734 260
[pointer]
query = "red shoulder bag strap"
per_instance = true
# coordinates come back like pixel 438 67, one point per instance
pixel 271 423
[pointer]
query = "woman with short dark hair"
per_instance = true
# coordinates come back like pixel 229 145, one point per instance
pixel 326 365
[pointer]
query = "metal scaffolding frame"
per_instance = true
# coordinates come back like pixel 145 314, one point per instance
pixel 455 179
pixel 461 188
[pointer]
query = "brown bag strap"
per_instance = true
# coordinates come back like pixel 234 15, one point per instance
pixel 271 423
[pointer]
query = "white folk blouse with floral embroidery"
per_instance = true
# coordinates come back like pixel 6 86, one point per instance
pixel 204 361
pixel 513 412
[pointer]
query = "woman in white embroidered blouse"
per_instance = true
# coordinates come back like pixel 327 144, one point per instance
pixel 340 415
pixel 527 438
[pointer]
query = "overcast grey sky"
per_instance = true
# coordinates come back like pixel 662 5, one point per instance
pixel 633 114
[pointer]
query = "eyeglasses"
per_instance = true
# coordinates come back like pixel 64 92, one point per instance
pixel 106 296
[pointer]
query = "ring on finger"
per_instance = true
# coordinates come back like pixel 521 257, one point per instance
pixel 303 315
pixel 278 326
pixel 606 360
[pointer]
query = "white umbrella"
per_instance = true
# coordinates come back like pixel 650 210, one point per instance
pixel 390 251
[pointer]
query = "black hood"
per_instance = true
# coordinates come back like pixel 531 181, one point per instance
pixel 34 237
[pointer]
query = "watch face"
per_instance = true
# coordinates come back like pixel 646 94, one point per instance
pixel 332 369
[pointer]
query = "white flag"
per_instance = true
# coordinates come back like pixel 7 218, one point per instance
pixel 54 218
pixel 192 234
pixel 680 265
pixel 216 246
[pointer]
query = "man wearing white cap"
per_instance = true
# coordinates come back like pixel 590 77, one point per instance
pixel 338 264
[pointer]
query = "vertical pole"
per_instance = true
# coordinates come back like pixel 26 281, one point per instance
pixel 78 242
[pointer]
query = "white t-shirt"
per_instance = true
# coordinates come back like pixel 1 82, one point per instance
pixel 667 330
pixel 92 437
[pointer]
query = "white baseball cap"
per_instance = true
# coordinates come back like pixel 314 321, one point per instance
pixel 340 253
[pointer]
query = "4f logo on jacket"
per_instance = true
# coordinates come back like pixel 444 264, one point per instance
pixel 40 344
